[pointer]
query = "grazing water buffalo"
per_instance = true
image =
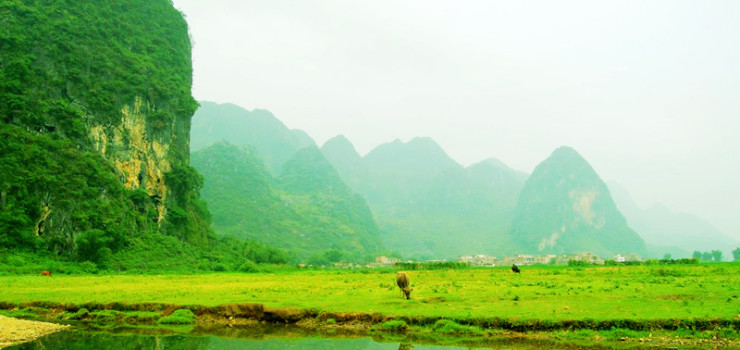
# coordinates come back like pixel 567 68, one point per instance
pixel 46 273
pixel 402 280
pixel 515 269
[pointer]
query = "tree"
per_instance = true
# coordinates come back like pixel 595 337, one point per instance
pixel 717 255
pixel 736 254
pixel 667 257
pixel 333 255
pixel 697 255
pixel 706 256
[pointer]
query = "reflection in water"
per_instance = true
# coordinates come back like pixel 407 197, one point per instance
pixel 255 338
pixel 73 340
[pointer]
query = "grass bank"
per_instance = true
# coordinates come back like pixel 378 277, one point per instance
pixel 697 301
pixel 539 293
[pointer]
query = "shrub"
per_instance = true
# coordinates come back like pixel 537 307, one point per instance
pixel 248 266
pixel 106 316
pixel 180 316
pixel 147 317
pixel 80 314
pixel 452 327
pixel 394 326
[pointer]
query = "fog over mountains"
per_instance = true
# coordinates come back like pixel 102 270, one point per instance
pixel 668 232
pixel 421 202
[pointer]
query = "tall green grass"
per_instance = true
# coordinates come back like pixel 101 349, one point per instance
pixel 704 291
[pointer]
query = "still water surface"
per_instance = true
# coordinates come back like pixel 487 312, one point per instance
pixel 80 339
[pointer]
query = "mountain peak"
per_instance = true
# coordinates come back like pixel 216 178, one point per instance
pixel 493 163
pixel 339 145
pixel 566 152
pixel 419 152
pixel 565 207
pixel 259 128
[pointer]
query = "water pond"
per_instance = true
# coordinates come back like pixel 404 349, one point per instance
pixel 83 339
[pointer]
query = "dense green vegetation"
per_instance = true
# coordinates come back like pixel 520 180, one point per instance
pixel 71 72
pixel 152 253
pixel 48 178
pixel 307 210
pixel 565 207
pixel 65 63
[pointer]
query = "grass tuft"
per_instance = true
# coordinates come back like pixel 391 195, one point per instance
pixel 180 316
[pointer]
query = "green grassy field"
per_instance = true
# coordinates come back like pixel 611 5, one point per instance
pixel 543 293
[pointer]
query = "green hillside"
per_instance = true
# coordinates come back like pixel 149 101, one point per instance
pixel 95 110
pixel 307 210
pixel 565 207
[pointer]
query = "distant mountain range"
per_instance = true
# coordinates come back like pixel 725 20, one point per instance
pixel 426 204
pixel 421 203
pixel 666 232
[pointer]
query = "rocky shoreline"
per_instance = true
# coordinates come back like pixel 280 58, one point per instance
pixel 14 331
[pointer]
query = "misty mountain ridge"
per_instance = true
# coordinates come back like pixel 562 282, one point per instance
pixel 678 234
pixel 425 204
pixel 274 142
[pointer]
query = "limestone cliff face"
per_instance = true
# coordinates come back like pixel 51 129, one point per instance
pixel 141 159
pixel 95 109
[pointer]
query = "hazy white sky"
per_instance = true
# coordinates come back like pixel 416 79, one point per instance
pixel 647 91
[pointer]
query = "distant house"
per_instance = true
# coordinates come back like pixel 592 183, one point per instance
pixel 521 259
pixel 627 258
pixel 479 260
pixel 544 259
pixel 590 258
pixel 386 261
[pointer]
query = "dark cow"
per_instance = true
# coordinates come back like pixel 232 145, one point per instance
pixel 46 273
pixel 402 280
pixel 515 269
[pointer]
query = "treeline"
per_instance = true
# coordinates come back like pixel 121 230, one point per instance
pixel 433 265
pixel 154 253
pixel 612 262
pixel 714 255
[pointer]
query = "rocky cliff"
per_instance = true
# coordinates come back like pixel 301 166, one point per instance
pixel 95 107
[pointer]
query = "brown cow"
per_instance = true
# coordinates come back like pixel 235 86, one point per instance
pixel 402 280
pixel 46 273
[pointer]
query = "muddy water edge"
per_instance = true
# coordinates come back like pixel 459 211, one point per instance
pixel 254 321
